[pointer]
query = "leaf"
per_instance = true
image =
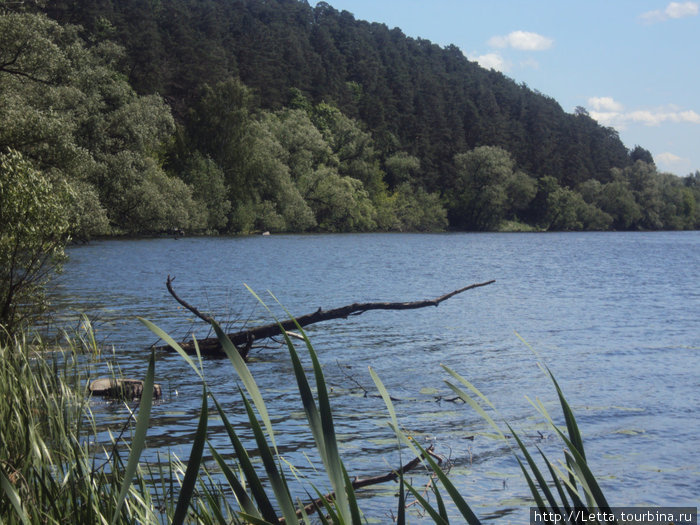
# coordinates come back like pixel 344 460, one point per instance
pixel 138 442
pixel 192 472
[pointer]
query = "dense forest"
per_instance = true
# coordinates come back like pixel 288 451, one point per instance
pixel 237 116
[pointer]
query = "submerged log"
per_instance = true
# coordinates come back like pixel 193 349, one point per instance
pixel 127 389
pixel 243 339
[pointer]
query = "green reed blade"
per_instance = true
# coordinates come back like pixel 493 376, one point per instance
pixel 392 412
pixel 537 473
pixel 352 500
pixel 255 520
pixel 434 514
pixel 401 510
pixel 277 481
pixel 173 344
pixel 440 503
pixel 471 402
pixel 324 435
pixel 469 385
pixel 456 497
pixel 242 497
pixel 244 373
pixel 138 441
pixel 256 487
pixel 192 472
pixel 12 495
pixel 555 479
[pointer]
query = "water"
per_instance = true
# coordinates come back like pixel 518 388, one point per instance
pixel 614 315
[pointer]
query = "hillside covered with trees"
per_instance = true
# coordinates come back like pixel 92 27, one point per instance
pixel 236 116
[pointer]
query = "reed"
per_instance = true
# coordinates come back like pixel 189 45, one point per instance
pixel 53 470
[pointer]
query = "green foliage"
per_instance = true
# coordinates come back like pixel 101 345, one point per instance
pixel 401 167
pixel 520 190
pixel 340 204
pixel 34 226
pixel 74 116
pixel 363 101
pixel 209 192
pixel 417 210
pixel 480 190
pixel 617 200
pixel 352 147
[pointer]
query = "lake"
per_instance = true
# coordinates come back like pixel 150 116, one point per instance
pixel 615 316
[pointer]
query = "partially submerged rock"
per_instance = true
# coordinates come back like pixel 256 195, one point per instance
pixel 121 388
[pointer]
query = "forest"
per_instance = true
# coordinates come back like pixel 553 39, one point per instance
pixel 241 116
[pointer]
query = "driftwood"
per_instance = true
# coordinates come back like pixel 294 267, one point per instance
pixel 127 389
pixel 358 483
pixel 243 339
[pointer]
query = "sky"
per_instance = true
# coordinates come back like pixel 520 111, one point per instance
pixel 633 65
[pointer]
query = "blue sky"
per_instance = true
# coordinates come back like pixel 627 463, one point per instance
pixel 633 64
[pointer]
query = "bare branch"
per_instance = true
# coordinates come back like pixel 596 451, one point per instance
pixel 244 338
pixel 203 317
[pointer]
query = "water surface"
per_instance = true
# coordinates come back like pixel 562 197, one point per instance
pixel 614 315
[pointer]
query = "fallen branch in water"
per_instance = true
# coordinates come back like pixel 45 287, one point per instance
pixel 243 339
pixel 358 483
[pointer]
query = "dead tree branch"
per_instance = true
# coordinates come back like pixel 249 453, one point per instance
pixel 358 483
pixel 243 339
pixel 203 317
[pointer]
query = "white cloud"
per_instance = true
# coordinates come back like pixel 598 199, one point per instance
pixel 648 117
pixel 681 10
pixel 522 40
pixel 492 61
pixel 673 163
pixel 673 10
pixel 609 112
pixel 670 158
pixel 604 104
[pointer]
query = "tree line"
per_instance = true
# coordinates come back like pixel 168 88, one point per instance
pixel 241 116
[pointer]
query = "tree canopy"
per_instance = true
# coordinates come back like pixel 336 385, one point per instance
pixel 244 115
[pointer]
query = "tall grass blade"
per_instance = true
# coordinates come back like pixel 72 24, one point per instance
pixel 440 504
pixel 571 425
pixel 557 483
pixel 13 497
pixel 244 501
pixel 537 473
pixel 324 434
pixel 456 497
pixel 244 373
pixel 401 510
pixel 256 487
pixel 434 514
pixel 477 408
pixel 392 412
pixel 277 481
pixel 192 472
pixel 173 344
pixel 469 385
pixel 138 441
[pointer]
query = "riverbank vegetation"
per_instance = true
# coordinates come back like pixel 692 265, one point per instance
pixel 237 117
pixel 55 469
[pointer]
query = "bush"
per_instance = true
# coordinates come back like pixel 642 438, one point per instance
pixel 34 225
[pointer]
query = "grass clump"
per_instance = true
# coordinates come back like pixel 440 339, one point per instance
pixel 49 468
